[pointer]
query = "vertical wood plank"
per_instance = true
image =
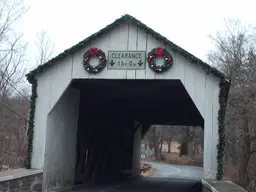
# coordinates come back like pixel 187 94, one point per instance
pixel 60 79
pixel 103 44
pixel 200 90
pixel 142 46
pixel 118 40
pixel 151 43
pixel 132 45
pixel 78 71
pixel 208 129
pixel 190 81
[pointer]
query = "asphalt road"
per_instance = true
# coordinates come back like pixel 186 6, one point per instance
pixel 177 171
pixel 171 178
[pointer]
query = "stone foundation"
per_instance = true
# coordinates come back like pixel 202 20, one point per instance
pixel 21 180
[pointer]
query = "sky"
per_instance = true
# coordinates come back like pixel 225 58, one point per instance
pixel 184 22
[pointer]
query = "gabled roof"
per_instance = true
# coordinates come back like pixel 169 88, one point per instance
pixel 117 22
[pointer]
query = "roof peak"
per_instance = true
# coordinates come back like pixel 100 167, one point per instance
pixel 109 27
pixel 128 16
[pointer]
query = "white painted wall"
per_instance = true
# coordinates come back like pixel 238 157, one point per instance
pixel 211 136
pixel 61 137
pixel 51 85
pixel 203 88
pixel 136 151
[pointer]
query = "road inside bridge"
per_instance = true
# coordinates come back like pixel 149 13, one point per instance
pixel 172 178
pixel 177 171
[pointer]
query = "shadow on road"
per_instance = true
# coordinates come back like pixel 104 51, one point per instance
pixel 150 184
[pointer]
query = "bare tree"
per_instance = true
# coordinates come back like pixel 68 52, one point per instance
pixel 45 47
pixel 235 55
pixel 12 49
pixel 13 131
pixel 170 134
pixel 154 137
pixel 12 60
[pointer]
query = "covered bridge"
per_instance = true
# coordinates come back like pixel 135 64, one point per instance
pixel 92 104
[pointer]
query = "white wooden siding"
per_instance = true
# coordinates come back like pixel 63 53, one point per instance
pixel 51 85
pixel 61 136
pixel 42 109
pixel 141 45
pixel 129 37
pixel 211 126
pixel 203 88
pixel 132 45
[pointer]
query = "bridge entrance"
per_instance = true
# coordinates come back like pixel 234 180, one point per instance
pixel 112 112
pixel 89 110
pixel 103 144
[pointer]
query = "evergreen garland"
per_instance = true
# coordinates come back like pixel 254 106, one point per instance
pixel 31 122
pixel 223 95
pixel 94 52
pixel 140 25
pixel 159 52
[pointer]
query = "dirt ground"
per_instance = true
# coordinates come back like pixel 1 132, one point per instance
pixel 149 172
pixel 174 158
pixel 230 173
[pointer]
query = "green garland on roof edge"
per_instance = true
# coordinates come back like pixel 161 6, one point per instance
pixel 142 26
pixel 31 121
pixel 223 95
pixel 179 50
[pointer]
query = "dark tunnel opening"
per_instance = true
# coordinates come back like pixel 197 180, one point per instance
pixel 108 112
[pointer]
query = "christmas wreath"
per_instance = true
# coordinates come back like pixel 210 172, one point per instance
pixel 159 52
pixel 94 52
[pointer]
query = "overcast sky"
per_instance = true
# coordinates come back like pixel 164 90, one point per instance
pixel 184 22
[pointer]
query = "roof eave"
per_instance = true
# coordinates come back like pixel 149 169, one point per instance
pixel 85 42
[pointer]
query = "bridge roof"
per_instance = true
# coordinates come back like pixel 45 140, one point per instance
pixel 132 20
